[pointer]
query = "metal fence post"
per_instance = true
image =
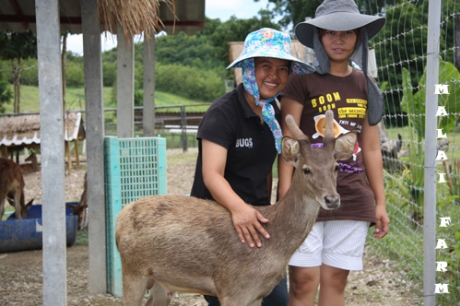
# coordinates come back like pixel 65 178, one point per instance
pixel 183 125
pixel 431 102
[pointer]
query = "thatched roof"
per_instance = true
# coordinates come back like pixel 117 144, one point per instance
pixel 134 16
pixel 298 50
pixel 25 130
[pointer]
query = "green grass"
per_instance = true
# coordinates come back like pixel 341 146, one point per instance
pixel 164 99
pixel 75 100
pixel 82 237
pixel 404 243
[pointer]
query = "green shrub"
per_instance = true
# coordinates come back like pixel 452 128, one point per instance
pixel 189 82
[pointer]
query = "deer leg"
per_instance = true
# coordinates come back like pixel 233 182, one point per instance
pixel 2 209
pixel 2 204
pixel 134 287
pixel 18 196
pixel 158 295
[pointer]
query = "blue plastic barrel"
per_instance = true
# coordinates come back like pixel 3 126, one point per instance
pixel 26 234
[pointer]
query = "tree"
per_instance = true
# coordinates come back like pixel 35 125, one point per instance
pixel 236 30
pixel 402 43
pixel 5 93
pixel 294 11
pixel 15 48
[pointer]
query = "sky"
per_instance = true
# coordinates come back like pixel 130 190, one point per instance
pixel 222 9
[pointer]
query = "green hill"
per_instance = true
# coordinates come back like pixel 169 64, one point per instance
pixel 75 99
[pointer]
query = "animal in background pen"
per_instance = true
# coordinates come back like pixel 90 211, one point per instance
pixel 12 186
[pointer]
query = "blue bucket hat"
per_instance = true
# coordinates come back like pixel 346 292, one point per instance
pixel 267 42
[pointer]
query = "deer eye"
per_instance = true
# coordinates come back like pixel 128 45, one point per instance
pixel 306 170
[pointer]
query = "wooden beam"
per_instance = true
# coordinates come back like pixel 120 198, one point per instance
pixel 77 20
pixel 69 156
pixel 77 154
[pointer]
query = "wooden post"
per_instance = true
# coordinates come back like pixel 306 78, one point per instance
pixel 77 154
pixel 4 151
pixel 69 156
pixel 52 153
pixel 94 105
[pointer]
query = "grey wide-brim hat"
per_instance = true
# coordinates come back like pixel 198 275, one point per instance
pixel 337 15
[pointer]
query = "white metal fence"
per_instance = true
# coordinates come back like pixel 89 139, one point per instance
pixel 418 59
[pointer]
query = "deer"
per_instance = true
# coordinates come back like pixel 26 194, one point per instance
pixel 12 186
pixel 33 166
pixel 185 244
pixel 79 209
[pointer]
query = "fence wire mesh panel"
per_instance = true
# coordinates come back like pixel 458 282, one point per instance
pixel 401 56
pixel 134 168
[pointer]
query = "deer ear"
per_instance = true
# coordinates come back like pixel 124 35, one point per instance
pixel 291 150
pixel 30 203
pixel 345 146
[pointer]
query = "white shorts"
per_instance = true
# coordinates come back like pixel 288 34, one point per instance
pixel 337 243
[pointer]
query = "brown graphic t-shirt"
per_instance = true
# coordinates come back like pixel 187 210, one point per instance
pixel 347 98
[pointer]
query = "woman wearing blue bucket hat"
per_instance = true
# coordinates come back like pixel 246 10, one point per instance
pixel 239 139
pixel 339 34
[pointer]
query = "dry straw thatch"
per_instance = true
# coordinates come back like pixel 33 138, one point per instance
pixel 25 129
pixel 134 16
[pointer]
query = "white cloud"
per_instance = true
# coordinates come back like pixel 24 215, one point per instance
pixel 242 9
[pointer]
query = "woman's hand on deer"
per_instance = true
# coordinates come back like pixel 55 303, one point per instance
pixel 247 222
pixel 246 219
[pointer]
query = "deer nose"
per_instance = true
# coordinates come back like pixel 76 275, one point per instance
pixel 332 202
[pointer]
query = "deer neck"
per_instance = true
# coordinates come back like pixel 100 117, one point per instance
pixel 293 219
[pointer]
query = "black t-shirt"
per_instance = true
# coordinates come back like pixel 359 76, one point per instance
pixel 231 123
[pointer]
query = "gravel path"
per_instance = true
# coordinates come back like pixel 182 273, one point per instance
pixel 21 272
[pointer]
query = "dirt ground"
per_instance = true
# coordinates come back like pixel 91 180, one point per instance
pixel 21 272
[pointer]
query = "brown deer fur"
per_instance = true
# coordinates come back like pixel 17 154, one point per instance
pixel 12 186
pixel 190 245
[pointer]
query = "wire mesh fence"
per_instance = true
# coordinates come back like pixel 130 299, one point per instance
pixel 402 56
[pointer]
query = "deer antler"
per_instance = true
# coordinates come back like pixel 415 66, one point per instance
pixel 329 133
pixel 296 132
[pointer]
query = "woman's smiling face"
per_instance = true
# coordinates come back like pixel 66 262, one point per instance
pixel 271 75
pixel 339 45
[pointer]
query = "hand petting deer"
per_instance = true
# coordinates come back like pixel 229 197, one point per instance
pixel 12 186
pixel 190 245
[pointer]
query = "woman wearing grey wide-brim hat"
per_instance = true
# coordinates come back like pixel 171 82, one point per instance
pixel 339 34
